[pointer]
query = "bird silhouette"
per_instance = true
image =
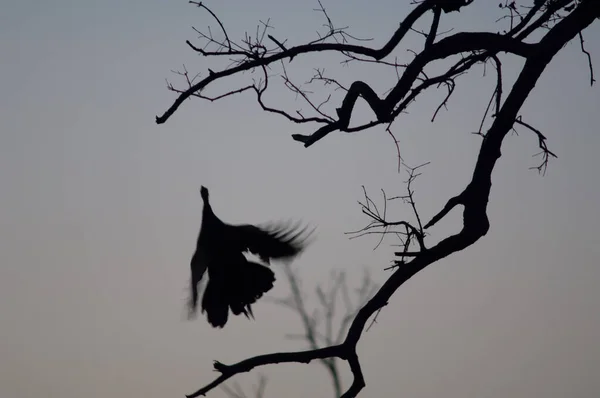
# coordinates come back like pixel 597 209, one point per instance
pixel 234 282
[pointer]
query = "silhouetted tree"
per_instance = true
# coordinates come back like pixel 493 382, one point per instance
pixel 535 31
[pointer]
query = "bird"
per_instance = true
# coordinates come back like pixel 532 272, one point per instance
pixel 234 282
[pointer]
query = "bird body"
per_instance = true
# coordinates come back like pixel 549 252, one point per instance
pixel 234 282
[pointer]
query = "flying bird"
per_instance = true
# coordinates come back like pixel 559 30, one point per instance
pixel 234 282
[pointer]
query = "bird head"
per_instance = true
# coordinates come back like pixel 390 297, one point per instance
pixel 204 193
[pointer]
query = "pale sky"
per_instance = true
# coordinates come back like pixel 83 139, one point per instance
pixel 100 211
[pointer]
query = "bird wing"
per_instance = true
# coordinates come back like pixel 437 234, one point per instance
pixel 198 266
pixel 275 241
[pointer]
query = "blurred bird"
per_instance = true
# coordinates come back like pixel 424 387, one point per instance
pixel 234 282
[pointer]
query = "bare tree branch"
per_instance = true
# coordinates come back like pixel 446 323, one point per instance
pixel 458 43
pixel 546 153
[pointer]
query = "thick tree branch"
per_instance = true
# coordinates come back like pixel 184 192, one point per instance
pixel 434 27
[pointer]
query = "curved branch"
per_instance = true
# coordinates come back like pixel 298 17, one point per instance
pixel 199 4
pixel 359 381
pixel 384 108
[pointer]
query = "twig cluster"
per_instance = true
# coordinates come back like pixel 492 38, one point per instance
pixel 409 234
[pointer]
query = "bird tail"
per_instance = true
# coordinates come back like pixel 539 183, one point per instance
pixel 240 287
pixel 247 284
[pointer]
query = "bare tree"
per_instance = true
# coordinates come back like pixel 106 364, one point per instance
pixel 535 31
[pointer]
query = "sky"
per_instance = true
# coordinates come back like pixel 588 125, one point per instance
pixel 100 212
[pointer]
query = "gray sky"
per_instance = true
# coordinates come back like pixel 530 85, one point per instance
pixel 100 210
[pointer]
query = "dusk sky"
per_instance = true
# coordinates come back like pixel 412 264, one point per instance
pixel 100 211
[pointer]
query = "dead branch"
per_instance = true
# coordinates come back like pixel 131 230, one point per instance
pixel 545 153
pixel 589 58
